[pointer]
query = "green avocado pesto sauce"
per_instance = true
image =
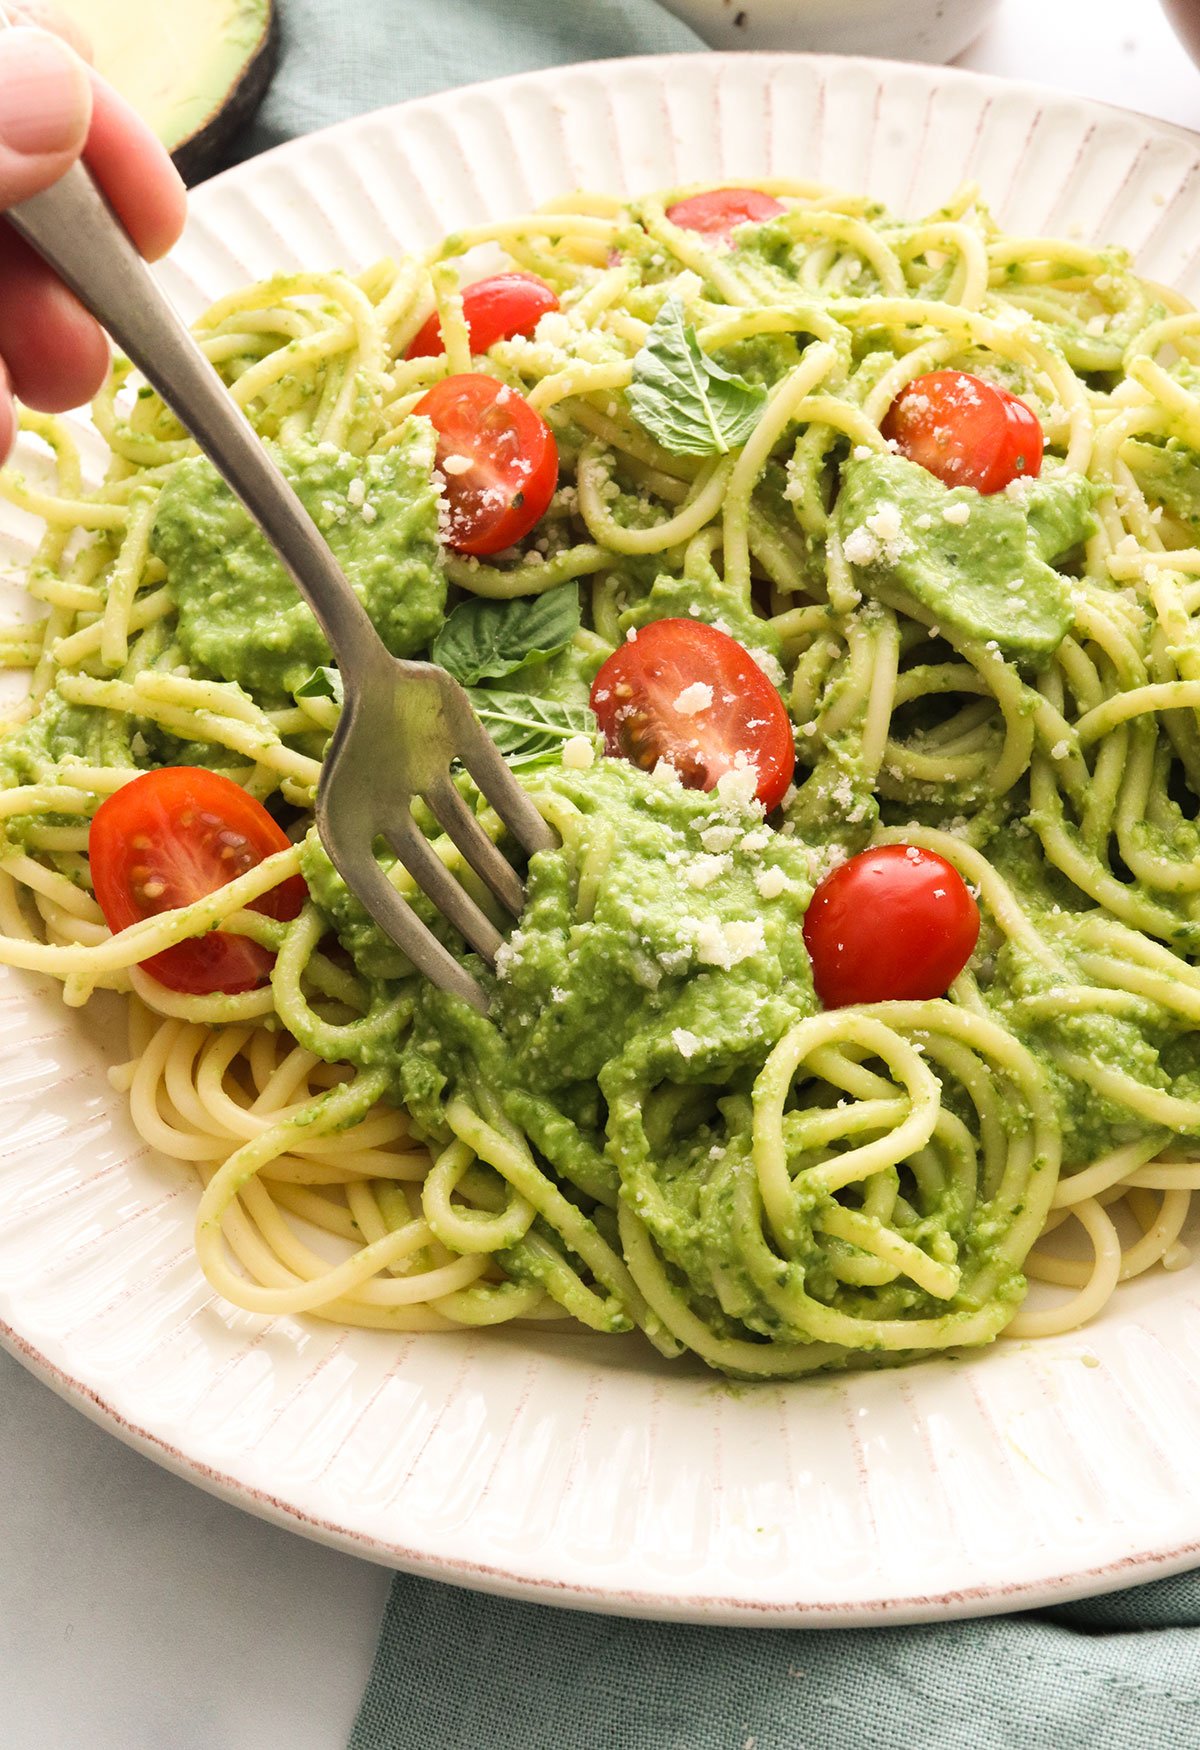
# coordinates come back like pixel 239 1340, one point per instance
pixel 1169 473
pixel 981 566
pixel 647 940
pixel 239 615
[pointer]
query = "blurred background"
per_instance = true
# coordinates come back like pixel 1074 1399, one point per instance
pixel 201 70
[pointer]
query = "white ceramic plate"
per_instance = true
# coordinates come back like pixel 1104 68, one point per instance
pixel 575 1470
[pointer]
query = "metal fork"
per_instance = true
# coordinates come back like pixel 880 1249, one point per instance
pixel 403 724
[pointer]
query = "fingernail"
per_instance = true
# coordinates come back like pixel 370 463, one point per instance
pixel 45 96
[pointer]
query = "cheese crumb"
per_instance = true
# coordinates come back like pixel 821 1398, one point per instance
pixel 703 871
pixel 882 534
pixel 884 522
pixel 369 513
pixel 718 838
pixel 578 753
pixel 727 945
pixel 508 953
pixel 553 329
pixel 356 492
pixel 770 882
pixel 959 512
pixel 757 840
pixel 737 787
pixel 696 697
pixel 860 547
pixel 770 665
pixel 684 1041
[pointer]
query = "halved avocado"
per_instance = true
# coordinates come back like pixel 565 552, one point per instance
pixel 196 70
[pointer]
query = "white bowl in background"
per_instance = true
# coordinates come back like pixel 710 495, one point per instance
pixel 906 30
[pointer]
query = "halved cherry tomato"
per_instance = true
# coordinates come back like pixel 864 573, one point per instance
pixel 966 431
pixel 172 836
pixel 495 309
pixel 893 924
pixel 685 692
pixel 718 210
pixel 498 458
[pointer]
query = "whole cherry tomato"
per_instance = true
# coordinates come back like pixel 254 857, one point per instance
pixel 495 309
pixel 718 210
pixel 893 924
pixel 966 431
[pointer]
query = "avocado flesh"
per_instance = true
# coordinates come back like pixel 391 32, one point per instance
pixel 195 70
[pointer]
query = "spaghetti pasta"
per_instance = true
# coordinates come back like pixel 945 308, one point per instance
pixel 658 1127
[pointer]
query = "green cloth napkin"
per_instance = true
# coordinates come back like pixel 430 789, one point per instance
pixel 458 1670
pixel 342 57
pixel 461 1671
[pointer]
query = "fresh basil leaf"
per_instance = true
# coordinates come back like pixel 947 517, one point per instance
pixel 688 403
pixel 527 729
pixel 322 683
pixel 485 640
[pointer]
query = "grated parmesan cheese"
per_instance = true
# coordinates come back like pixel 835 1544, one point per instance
pixel 727 945
pixel 860 547
pixel 737 787
pixel 718 838
pixel 578 753
pixel 703 871
pixel 696 697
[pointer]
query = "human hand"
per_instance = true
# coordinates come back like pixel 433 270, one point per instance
pixel 53 108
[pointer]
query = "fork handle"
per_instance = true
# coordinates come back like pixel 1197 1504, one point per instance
pixel 73 227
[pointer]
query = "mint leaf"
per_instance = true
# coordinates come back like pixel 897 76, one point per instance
pixel 485 640
pixel 527 729
pixel 688 403
pixel 322 683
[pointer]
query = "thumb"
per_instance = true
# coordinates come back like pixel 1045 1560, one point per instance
pixel 45 109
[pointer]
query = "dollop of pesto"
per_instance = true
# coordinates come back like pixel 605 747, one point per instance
pixel 240 617
pixel 982 565
pixel 646 935
pixel 1169 474
pixel 664 934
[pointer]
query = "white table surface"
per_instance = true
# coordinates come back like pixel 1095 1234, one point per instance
pixel 136 1611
